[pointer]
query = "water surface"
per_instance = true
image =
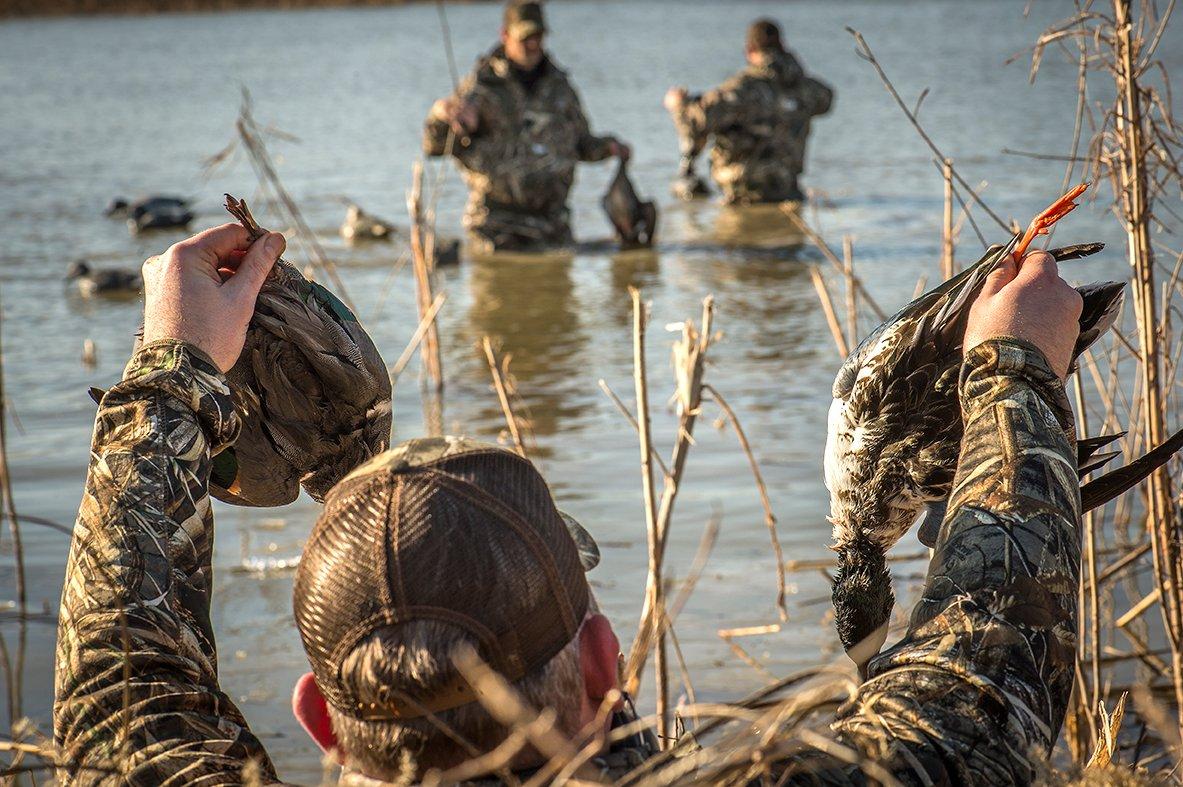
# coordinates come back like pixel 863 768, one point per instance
pixel 96 107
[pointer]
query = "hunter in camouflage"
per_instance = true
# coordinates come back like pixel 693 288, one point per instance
pixel 517 129
pixel 976 691
pixel 759 119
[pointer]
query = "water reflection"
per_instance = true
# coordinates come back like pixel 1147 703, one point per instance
pixel 639 268
pixel 528 306
pixel 755 227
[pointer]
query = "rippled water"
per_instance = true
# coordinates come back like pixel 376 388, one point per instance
pixel 92 108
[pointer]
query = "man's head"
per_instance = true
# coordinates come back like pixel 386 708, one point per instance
pixel 522 31
pixel 437 545
pixel 762 41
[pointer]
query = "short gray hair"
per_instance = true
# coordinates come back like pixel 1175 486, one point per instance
pixel 411 656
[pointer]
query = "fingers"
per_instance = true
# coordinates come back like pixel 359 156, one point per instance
pixel 1038 264
pixel 216 242
pixel 1001 276
pixel 258 261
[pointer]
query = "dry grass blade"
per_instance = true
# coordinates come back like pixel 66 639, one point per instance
pixel 421 262
pixel 1107 738
pixel 511 420
pixel 761 487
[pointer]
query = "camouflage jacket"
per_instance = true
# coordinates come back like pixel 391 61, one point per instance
pixel 137 695
pixel 760 120
pixel 977 690
pixel 520 163
pixel 974 693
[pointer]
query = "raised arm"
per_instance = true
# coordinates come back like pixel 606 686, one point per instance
pixel 976 692
pixel 136 674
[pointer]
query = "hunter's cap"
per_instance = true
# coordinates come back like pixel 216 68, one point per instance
pixel 523 18
pixel 763 36
pixel 448 530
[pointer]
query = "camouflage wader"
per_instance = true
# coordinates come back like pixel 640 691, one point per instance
pixel 520 163
pixel 975 693
pixel 760 122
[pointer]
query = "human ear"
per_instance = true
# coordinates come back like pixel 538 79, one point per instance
pixel 599 654
pixel 311 710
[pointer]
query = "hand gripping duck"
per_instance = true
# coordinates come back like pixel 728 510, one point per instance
pixel 895 431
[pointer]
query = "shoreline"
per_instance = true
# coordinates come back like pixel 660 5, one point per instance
pixel 33 9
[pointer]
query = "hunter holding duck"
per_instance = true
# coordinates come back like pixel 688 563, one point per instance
pixel 517 129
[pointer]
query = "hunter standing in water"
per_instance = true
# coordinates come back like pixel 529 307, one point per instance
pixel 759 118
pixel 516 126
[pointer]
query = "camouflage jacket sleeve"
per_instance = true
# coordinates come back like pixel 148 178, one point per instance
pixel 136 673
pixel 977 690
pixel 588 146
pixel 436 129
pixel 700 116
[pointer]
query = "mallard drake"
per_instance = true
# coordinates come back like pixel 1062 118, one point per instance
pixel 359 225
pixel 108 281
pixel 152 213
pixel 895 428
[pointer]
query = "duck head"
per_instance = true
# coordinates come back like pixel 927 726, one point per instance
pixel 77 269
pixel 117 207
pixel 863 599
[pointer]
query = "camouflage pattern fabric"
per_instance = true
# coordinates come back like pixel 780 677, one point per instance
pixel 520 163
pixel 137 696
pixel 760 121
pixel 977 690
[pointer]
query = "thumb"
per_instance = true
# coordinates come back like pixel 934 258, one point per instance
pixel 258 261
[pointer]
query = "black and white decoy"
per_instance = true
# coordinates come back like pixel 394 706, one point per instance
pixel 106 281
pixel 152 213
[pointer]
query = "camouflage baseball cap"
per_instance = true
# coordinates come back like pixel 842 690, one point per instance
pixel 523 18
pixel 449 530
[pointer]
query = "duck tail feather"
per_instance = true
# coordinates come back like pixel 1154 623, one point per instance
pixel 1102 302
pixel 1101 490
pixel 1075 252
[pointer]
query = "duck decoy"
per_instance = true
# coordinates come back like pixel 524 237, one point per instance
pixel 359 225
pixel 447 252
pixel 634 221
pixel 152 213
pixel 107 281
pixel 895 430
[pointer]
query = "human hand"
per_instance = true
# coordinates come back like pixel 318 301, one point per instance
pixel 675 97
pixel 203 289
pixel 1028 301
pixel 619 149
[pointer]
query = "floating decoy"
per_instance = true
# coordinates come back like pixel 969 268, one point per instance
pixel 359 225
pixel 108 281
pixel 152 213
pixel 895 430
pixel 635 221
pixel 447 252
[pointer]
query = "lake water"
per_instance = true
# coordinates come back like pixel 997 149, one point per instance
pixel 98 107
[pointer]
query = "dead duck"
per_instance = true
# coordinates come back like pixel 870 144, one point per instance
pixel 152 213
pixel 359 225
pixel 634 220
pixel 895 429
pixel 310 386
pixel 108 281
